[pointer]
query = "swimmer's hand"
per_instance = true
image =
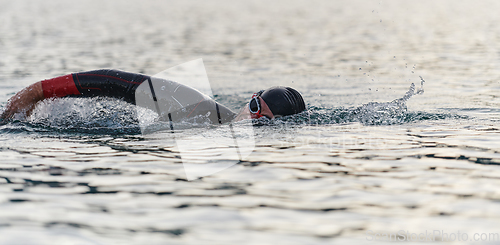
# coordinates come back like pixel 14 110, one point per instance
pixel 24 101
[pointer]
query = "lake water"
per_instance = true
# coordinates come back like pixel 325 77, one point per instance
pixel 78 171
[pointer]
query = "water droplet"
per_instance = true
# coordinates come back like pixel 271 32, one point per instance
pixel 360 68
pixel 394 57
pixel 162 87
pixel 422 81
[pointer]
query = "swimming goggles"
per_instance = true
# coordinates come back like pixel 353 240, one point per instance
pixel 254 104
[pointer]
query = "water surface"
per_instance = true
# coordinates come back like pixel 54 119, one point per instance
pixel 78 171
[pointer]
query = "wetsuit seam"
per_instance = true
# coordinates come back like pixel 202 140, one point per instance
pixel 195 107
pixel 107 76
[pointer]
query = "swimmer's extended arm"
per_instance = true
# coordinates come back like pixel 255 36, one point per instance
pixel 109 83
pixel 24 101
pixel 106 82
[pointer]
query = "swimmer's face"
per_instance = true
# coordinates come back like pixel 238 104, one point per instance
pixel 246 114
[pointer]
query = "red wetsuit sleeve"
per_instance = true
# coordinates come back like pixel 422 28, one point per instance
pixel 59 87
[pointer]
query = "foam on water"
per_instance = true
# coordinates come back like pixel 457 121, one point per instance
pixel 373 113
pixel 85 115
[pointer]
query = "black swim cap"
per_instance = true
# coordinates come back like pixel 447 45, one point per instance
pixel 283 101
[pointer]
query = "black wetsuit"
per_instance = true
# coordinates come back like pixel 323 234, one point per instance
pixel 105 82
pixel 121 85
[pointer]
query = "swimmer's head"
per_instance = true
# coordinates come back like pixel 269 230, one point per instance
pixel 273 102
pixel 283 101
pixel 276 102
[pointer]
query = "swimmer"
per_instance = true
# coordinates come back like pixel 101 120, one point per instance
pixel 270 103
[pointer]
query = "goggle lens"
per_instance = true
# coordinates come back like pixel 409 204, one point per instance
pixel 254 105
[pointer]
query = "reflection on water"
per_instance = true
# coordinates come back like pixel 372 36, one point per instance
pixel 79 171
